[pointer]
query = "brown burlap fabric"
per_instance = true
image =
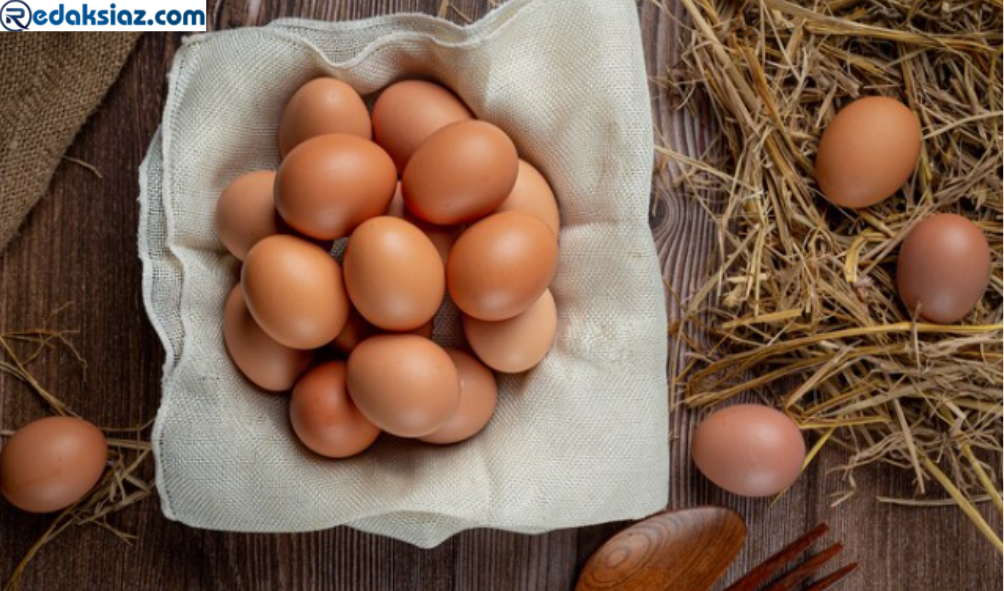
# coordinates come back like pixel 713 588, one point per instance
pixel 51 84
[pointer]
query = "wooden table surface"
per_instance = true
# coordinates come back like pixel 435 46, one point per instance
pixel 79 246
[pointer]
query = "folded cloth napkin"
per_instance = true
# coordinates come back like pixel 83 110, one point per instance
pixel 580 439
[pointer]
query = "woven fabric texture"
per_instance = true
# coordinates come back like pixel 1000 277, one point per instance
pixel 51 84
pixel 581 439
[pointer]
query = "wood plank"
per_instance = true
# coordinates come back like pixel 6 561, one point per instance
pixel 80 246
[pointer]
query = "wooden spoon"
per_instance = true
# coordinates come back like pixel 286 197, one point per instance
pixel 686 550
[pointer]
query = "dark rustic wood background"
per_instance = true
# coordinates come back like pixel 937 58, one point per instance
pixel 79 246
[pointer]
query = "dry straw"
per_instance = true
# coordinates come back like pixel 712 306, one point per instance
pixel 800 305
pixel 125 481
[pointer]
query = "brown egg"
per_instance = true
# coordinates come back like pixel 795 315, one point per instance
pixel 245 212
pixel 442 237
pixel 478 395
pixel 264 362
pixel 355 331
pixel 294 291
pixel 52 463
pixel 749 450
pixel 532 194
pixel 425 330
pixel 868 151
pixel 501 265
pixel 283 228
pixel 943 268
pixel 516 344
pixel 319 107
pixel 324 417
pixel 393 274
pixel 330 184
pixel 405 384
pixel 460 174
pixel 408 112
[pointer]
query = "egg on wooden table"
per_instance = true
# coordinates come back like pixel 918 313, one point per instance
pixel 406 113
pixel 749 449
pixel 943 268
pixel 52 463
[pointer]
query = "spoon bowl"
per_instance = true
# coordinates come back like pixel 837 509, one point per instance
pixel 685 550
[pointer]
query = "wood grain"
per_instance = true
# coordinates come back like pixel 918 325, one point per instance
pixel 79 246
pixel 681 550
pixel 776 564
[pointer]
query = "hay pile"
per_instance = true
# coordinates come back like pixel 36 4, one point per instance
pixel 800 305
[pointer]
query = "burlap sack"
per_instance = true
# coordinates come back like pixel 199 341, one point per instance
pixel 580 439
pixel 51 84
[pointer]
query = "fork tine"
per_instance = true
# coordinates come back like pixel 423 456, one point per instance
pixel 773 565
pixel 805 570
pixel 831 580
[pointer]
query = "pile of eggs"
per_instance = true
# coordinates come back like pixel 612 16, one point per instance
pixel 869 150
pixel 429 202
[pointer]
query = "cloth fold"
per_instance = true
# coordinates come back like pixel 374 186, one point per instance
pixel 52 82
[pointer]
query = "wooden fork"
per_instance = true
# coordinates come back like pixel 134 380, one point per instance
pixel 690 550
pixel 796 576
